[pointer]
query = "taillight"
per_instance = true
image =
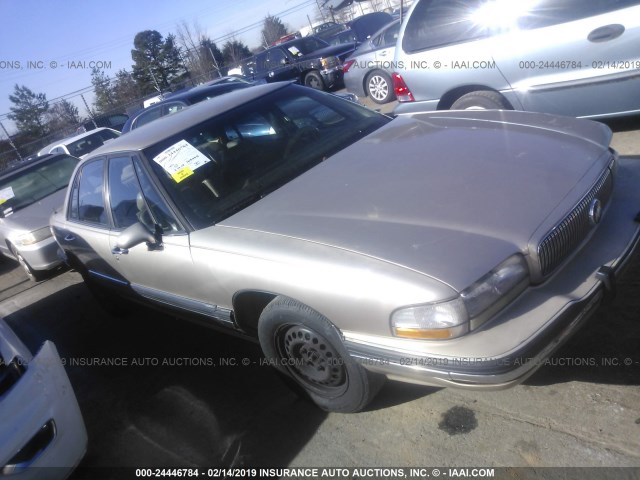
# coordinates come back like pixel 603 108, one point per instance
pixel 403 94
pixel 347 65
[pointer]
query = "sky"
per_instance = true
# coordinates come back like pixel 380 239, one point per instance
pixel 48 45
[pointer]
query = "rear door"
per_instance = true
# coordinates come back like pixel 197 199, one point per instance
pixel 85 233
pixel 574 57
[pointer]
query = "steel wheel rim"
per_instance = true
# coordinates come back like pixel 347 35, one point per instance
pixel 378 87
pixel 310 358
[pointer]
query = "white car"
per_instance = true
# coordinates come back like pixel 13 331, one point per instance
pixel 82 144
pixel 40 422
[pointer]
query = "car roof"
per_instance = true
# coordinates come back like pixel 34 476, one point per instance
pixel 197 90
pixel 141 138
pixel 82 135
pixel 68 140
pixel 183 98
pixel 16 167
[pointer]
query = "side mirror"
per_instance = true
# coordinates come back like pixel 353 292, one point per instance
pixel 135 235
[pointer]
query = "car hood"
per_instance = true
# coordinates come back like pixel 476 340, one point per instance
pixel 36 215
pixel 450 195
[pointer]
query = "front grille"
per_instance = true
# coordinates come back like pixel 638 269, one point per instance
pixel 569 234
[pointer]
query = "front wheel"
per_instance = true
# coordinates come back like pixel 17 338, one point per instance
pixel 379 87
pixel 314 80
pixel 303 344
pixel 482 100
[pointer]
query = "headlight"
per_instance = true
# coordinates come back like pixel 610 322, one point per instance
pixel 34 237
pixel 475 305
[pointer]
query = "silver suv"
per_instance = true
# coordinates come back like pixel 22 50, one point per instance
pixel 569 57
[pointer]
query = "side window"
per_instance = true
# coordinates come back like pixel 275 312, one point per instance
pixel 157 208
pixel 261 62
pixel 391 35
pixel 377 40
pixel 124 192
pixel 73 199
pixel 146 117
pixel 436 23
pixel 170 108
pixel 276 58
pixel 90 194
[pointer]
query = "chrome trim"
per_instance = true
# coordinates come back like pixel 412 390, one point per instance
pixel 489 373
pixel 611 78
pixel 202 308
pixel 109 278
pixel 567 235
pixel 476 373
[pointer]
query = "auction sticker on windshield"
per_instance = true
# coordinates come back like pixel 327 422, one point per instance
pixel 6 194
pixel 180 160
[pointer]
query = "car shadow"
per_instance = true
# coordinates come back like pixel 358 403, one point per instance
pixel 395 393
pixel 160 392
pixel 606 349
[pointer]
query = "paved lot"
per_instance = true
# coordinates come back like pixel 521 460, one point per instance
pixel 183 395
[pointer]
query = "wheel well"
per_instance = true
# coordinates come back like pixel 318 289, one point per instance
pixel 365 78
pixel 304 74
pixel 247 307
pixel 451 96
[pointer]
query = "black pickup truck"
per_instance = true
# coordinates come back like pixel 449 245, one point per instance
pixel 308 60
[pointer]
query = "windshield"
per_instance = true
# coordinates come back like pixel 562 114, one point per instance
pixel 24 187
pixel 91 142
pixel 221 166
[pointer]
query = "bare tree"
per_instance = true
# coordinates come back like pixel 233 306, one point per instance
pixel 203 55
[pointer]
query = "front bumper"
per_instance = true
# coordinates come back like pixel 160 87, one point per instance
pixel 41 255
pixel 510 347
pixel 41 396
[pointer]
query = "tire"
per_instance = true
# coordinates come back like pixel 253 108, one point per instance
pixel 34 275
pixel 481 100
pixel 379 87
pixel 314 80
pixel 303 344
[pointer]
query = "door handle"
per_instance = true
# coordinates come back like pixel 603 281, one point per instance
pixel 119 251
pixel 606 33
pixel 383 53
pixel 69 238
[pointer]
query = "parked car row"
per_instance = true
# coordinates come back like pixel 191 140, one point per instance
pixel 173 103
pixel 572 58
